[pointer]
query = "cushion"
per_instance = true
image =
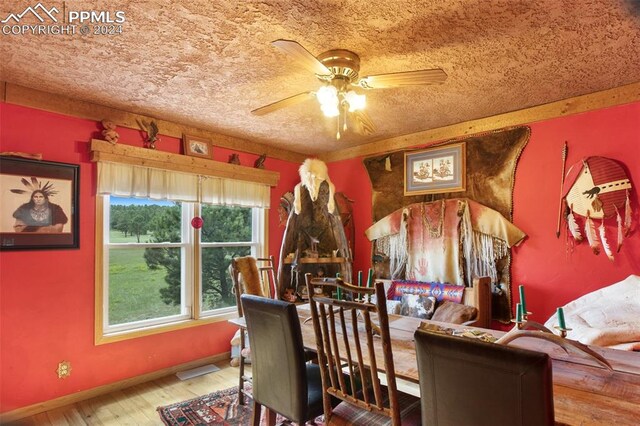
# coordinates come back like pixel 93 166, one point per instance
pixel 393 307
pixel 417 306
pixel 440 291
pixel 455 313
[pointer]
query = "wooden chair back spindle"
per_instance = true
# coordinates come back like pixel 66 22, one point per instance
pixel 350 341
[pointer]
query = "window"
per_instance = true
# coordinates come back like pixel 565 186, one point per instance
pixel 156 272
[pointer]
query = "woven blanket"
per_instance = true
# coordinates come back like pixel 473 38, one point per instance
pixel 440 291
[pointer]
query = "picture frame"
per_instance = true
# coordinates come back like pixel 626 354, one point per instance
pixel 39 204
pixel 197 147
pixel 435 170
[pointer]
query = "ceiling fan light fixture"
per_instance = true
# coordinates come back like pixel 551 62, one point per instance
pixel 327 95
pixel 330 110
pixel 329 102
pixel 356 102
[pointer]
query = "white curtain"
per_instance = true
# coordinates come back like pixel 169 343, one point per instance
pixel 125 180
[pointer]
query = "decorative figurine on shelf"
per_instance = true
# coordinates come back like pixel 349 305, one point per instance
pixel 234 159
pixel 109 133
pixel 151 128
pixel 312 251
pixel 259 163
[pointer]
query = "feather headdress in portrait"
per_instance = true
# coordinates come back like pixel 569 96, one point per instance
pixel 598 188
pixel 35 185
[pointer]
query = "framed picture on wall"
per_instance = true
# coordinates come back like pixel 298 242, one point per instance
pixel 38 205
pixel 435 170
pixel 197 147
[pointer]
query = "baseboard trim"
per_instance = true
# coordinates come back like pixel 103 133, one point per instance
pixel 40 407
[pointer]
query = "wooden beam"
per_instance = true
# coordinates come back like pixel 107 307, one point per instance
pixel 119 153
pixel 604 99
pixel 24 96
pixel 56 103
pixel 33 409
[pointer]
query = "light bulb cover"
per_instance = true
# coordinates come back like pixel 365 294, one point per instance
pixel 330 110
pixel 356 102
pixel 327 95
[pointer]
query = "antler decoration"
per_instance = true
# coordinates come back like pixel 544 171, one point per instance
pixel 545 334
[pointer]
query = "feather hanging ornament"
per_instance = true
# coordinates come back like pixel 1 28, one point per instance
pixel 627 216
pixel 590 231
pixel 603 239
pixel 620 233
pixel 574 229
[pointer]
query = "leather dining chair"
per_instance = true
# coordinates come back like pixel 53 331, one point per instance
pixel 352 337
pixel 282 381
pixel 465 381
pixel 249 275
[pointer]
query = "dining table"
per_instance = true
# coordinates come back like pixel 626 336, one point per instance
pixel 584 391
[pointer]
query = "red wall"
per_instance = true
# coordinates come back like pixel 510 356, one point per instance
pixel 47 297
pixel 551 275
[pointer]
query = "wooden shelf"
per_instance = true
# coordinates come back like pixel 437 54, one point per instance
pixel 315 260
pixel 127 154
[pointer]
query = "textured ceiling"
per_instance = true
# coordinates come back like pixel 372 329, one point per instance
pixel 208 64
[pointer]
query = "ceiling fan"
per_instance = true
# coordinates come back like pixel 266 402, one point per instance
pixel 338 70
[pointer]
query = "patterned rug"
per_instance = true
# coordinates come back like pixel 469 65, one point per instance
pixel 219 408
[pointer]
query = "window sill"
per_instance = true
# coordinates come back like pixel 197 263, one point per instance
pixel 101 339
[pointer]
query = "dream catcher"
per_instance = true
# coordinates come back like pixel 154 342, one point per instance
pixel 595 190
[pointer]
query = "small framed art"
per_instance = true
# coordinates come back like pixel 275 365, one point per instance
pixel 39 204
pixel 197 147
pixel 435 170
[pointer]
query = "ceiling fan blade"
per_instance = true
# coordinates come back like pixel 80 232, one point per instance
pixel 282 103
pixel 302 56
pixel 362 124
pixel 399 79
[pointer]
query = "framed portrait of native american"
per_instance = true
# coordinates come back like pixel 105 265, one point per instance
pixel 435 170
pixel 38 205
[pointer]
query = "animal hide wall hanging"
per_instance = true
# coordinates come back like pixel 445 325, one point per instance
pixel 597 189
pixel 490 167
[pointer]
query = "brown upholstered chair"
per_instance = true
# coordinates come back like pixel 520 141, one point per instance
pixel 352 336
pixel 253 276
pixel 466 381
pixel 282 381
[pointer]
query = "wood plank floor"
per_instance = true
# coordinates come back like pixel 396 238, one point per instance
pixel 135 406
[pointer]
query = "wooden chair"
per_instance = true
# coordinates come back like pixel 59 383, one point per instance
pixel 283 382
pixel 265 271
pixel 468 381
pixel 350 341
